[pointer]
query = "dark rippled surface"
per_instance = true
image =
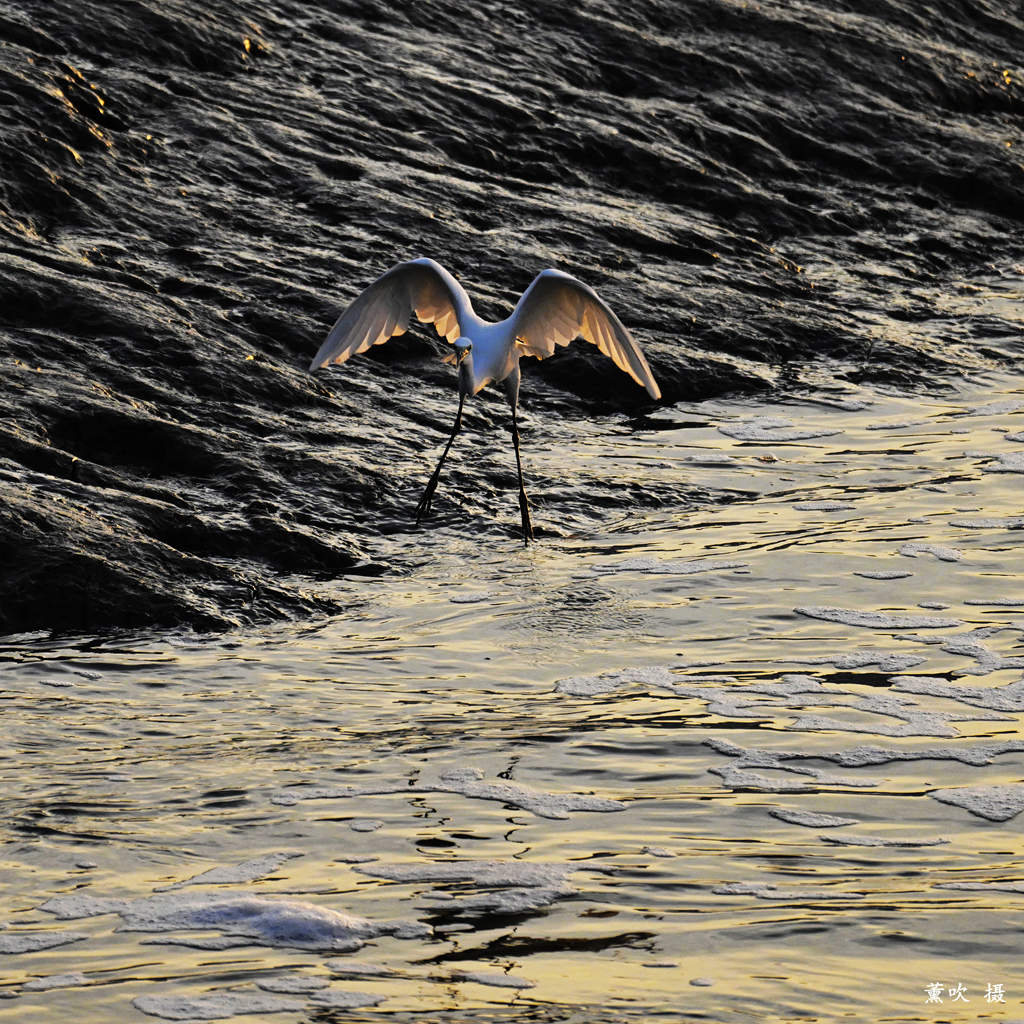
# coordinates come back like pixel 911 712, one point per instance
pixel 770 195
pixel 739 739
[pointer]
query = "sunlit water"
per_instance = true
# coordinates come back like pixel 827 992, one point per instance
pixel 584 776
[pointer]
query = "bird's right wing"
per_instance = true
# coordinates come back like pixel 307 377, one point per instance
pixel 557 308
pixel 385 308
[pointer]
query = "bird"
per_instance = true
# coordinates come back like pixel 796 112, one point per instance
pixel 554 310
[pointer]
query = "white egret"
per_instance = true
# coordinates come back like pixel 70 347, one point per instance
pixel 554 310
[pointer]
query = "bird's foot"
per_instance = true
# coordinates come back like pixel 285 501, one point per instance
pixel 423 507
pixel 524 510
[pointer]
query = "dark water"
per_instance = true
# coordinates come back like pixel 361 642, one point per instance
pixel 741 738
pixel 772 197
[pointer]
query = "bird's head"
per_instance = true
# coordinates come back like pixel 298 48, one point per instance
pixel 463 347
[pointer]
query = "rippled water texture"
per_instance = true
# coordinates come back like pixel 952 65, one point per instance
pixel 772 197
pixel 756 761
pixel 739 739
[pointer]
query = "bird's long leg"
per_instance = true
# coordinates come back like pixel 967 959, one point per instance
pixel 424 504
pixel 524 505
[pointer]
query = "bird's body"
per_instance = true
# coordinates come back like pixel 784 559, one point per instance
pixel 554 310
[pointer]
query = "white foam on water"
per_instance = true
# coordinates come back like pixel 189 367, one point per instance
pixel 1014 887
pixel 768 891
pixel 883 574
pixel 823 506
pixel 1018 436
pixel 702 982
pixel 366 824
pixel 658 851
pixel 997 408
pixel 885 660
pixel 935 606
pixel 336 999
pixel 233 874
pixel 810 819
pixel 999 602
pixel 880 841
pixel 710 459
pixel 493 978
pixel 52 981
pixel 997 698
pixel 996 803
pixel 1009 462
pixel 878 620
pixel 659 566
pixel 772 428
pixel 71 906
pixel 35 942
pixel 293 984
pixel 474 598
pixel 509 901
pixel 213 1007
pixel 357 968
pixel 897 425
pixel 484 873
pixel 266 920
pixel 943 554
pixel 609 682
pixel 469 783
pixel 989 522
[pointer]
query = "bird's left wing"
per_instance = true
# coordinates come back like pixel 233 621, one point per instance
pixel 557 308
pixel 385 308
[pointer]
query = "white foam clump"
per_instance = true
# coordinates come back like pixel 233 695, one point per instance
pixel 989 522
pixel 658 566
pixel 982 886
pixel 943 554
pixel 897 425
pixel 366 824
pixel 885 660
pixel 337 999
pixel 608 682
pixel 232 874
pixel 467 782
pixel 772 428
pixel 56 981
pixel 35 942
pixel 493 978
pixel 996 698
pixel 823 506
pixel 880 841
pixel 264 920
pixel 215 1006
pixel 810 819
pixel 1018 436
pixel 878 620
pixel 293 984
pixel 999 602
pixel 768 891
pixel 1009 462
pixel 524 887
pixel 357 968
pixel 996 803
pixel 997 408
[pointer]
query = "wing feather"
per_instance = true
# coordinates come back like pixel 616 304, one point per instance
pixel 557 308
pixel 386 307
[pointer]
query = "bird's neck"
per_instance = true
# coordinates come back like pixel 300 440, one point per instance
pixel 467 381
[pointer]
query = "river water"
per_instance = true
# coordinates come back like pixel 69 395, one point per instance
pixel 754 754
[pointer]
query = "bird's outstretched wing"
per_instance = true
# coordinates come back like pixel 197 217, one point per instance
pixel 557 308
pixel 385 308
